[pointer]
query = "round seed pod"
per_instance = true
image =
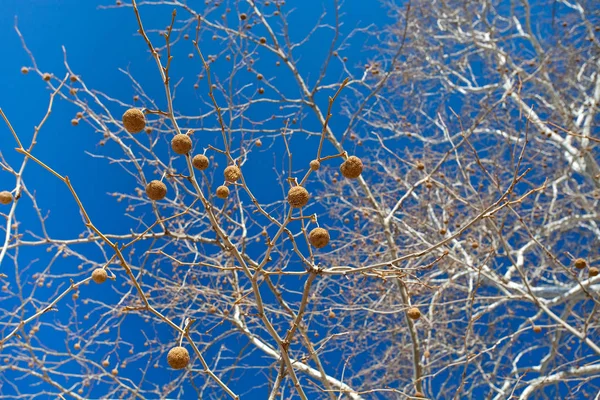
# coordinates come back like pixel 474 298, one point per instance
pixel 258 143
pixel 537 329
pixel 178 357
pixel 24 70
pixel 593 271
pixel 77 346
pixel 222 192
pixel 298 197
pixel 580 263
pixel 331 314
pixel 319 237
pixel 6 197
pixel 74 122
pixel 134 120
pixel 99 275
pixel 232 173
pixel 352 167
pixel 181 143
pixel 156 190
pixel 46 77
pixel 420 166
pixel 243 16
pixel 414 313
pixel 315 165
pixel 105 363
pixel 200 161
pixel 115 372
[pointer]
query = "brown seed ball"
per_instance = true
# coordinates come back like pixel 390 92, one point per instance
pixel 99 275
pixel 24 70
pixel 73 78
pixel 77 346
pixel 200 161
pixel 537 329
pixel 315 165
pixel 263 40
pixel 580 263
pixel 243 17
pixel 134 120
pixel 420 166
pixel 261 90
pixel 6 197
pixel 156 190
pixel 319 237
pixel 105 363
pixel 46 77
pixel 298 197
pixel 352 167
pixel 178 357
pixel 222 192
pixel 74 122
pixel 258 143
pixel 414 313
pixel 331 314
pixel 232 173
pixel 593 271
pixel 181 143
pixel 115 372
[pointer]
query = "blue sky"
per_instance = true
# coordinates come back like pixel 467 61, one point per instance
pixel 99 42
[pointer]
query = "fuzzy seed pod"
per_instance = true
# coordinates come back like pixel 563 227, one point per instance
pixel 263 40
pixel 537 329
pixel 232 173
pixel 105 363
pixel 420 166
pixel 331 314
pixel 414 313
pixel 243 17
pixel 178 357
pixel 99 275
pixel 24 70
pixel 319 237
pixel 593 271
pixel 352 167
pixel 200 161
pixel 46 77
pixel 222 192
pixel 156 190
pixel 115 372
pixel 181 143
pixel 6 197
pixel 580 263
pixel 258 143
pixel 315 165
pixel 298 197
pixel 77 346
pixel 74 122
pixel 134 120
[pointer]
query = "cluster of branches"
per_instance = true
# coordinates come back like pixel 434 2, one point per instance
pixel 461 262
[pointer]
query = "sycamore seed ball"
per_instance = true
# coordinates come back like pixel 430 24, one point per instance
pixel 580 263
pixel 298 197
pixel 232 173
pixel 24 70
pixel 6 197
pixel 134 120
pixel 222 192
pixel 352 167
pixel 156 190
pixel 315 165
pixel 178 357
pixel 319 237
pixel 99 275
pixel 593 271
pixel 200 161
pixel 181 143
pixel 537 329
pixel 414 313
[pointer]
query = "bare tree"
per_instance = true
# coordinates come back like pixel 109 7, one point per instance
pixel 416 220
